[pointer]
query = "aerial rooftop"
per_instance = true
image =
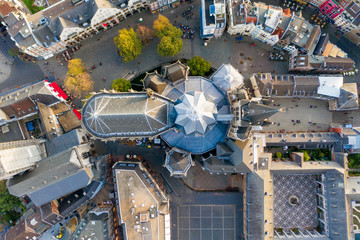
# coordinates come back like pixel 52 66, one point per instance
pixel 107 115
pixel 141 207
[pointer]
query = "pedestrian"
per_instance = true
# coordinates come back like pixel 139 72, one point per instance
pixel 100 63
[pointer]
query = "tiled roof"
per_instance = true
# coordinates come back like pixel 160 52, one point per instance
pixel 251 20
pixel 313 36
pixel 5 8
pixel 20 108
pixel 20 231
pixel 175 71
pixel 287 12
pixel 155 82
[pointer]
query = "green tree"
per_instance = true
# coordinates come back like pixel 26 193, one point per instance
pixel 7 201
pixel 199 66
pixel 78 80
pixel 121 85
pixel 278 155
pixel 169 46
pixel 169 35
pixel 306 156
pixel 129 44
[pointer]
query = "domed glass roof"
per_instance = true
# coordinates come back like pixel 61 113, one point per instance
pixel 197 104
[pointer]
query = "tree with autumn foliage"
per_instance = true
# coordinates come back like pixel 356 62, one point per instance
pixel 144 33
pixel 169 46
pixel 169 35
pixel 129 44
pixel 78 80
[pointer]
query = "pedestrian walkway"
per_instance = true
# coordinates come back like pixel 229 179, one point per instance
pixel 5 68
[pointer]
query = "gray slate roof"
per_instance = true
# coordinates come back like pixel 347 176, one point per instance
pixel 36 92
pixel 126 114
pixel 178 162
pixel 53 177
pixel 256 112
pixel 59 24
pixel 255 208
pixel 66 141
pixel 336 205
pixel 14 134
pixel 230 157
pixel 45 36
pixel 348 98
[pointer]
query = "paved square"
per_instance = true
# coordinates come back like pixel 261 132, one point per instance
pixel 299 215
pixel 313 115
pixel 206 222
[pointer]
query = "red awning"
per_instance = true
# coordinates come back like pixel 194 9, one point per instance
pixel 77 113
pixel 104 24
pixel 58 90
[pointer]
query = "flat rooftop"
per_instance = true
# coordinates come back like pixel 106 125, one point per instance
pixel 273 17
pixel 238 12
pixel 303 34
pixel 138 207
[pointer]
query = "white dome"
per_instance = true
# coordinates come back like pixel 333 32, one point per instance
pixel 195 113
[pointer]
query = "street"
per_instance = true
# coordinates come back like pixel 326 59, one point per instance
pixel 18 74
pixel 217 52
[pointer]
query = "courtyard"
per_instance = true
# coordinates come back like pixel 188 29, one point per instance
pixel 356 216
pixel 295 201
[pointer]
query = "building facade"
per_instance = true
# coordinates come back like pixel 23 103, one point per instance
pixel 50 31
